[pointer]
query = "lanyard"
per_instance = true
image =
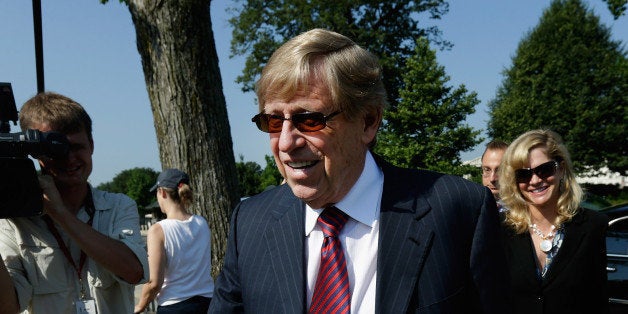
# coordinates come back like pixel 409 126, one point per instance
pixel 89 207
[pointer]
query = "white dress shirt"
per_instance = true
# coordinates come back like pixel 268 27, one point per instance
pixel 359 238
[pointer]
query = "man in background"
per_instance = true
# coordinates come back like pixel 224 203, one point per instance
pixel 491 159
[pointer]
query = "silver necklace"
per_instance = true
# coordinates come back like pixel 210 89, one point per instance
pixel 546 240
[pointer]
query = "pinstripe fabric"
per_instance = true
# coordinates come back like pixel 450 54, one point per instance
pixel 439 246
pixel 331 293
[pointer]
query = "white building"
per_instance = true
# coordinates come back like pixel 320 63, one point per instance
pixel 603 176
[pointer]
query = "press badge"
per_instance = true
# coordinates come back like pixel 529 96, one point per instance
pixel 86 306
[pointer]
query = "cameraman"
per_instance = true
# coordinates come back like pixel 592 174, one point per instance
pixel 86 253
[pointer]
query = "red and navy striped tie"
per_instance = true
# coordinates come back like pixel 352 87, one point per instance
pixel 331 292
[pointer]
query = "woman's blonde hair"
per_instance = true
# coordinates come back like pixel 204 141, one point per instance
pixel 516 157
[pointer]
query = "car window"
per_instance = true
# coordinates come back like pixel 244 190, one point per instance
pixel 617 236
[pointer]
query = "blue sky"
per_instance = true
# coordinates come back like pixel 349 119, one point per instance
pixel 90 56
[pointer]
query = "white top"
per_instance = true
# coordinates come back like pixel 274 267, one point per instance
pixel 188 260
pixel 358 237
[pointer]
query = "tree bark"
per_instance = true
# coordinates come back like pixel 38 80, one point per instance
pixel 180 63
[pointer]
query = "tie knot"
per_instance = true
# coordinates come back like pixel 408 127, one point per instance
pixel 331 221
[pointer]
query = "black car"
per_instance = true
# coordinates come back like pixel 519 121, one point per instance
pixel 615 211
pixel 617 257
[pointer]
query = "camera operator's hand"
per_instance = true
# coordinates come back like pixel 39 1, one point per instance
pixel 110 253
pixel 53 204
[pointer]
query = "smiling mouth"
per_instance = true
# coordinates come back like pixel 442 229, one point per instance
pixel 302 164
pixel 73 169
pixel 541 189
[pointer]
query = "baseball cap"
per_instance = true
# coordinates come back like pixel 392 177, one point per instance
pixel 170 178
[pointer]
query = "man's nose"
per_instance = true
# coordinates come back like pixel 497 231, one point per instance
pixel 494 176
pixel 289 137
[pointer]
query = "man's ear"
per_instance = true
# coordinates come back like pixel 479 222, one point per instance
pixel 372 121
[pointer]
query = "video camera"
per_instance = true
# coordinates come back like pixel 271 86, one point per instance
pixel 20 194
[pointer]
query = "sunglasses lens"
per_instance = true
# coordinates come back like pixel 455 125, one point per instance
pixel 274 123
pixel 309 122
pixel 304 122
pixel 523 175
pixel 545 170
pixel 260 123
pixel 268 123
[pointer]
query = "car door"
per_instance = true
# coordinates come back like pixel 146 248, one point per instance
pixel 617 264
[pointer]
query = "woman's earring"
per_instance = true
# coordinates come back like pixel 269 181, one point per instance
pixel 561 185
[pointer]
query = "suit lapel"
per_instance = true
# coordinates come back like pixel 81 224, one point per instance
pixel 285 239
pixel 404 244
pixel 523 258
pixel 571 242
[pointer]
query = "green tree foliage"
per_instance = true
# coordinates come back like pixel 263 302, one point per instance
pixel 253 179
pixel 386 28
pixel 569 76
pixel 270 176
pixel 249 174
pixel 135 183
pixel 427 128
pixel 617 7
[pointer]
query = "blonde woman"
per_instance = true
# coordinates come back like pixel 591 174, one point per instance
pixel 556 251
pixel 179 251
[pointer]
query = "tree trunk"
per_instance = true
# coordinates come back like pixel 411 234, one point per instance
pixel 180 63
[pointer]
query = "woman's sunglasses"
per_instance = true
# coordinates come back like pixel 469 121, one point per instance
pixel 543 171
pixel 304 122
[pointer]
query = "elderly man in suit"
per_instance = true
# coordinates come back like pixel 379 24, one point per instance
pixel 350 233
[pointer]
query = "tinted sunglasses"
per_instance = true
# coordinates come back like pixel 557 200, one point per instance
pixel 304 122
pixel 542 171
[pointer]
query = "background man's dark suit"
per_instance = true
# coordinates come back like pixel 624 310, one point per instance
pixel 439 240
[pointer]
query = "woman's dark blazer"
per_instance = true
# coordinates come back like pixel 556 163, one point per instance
pixel 576 281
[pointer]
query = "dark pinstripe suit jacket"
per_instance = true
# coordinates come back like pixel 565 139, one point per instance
pixel 439 250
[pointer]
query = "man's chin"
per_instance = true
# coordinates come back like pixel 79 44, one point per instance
pixel 304 192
